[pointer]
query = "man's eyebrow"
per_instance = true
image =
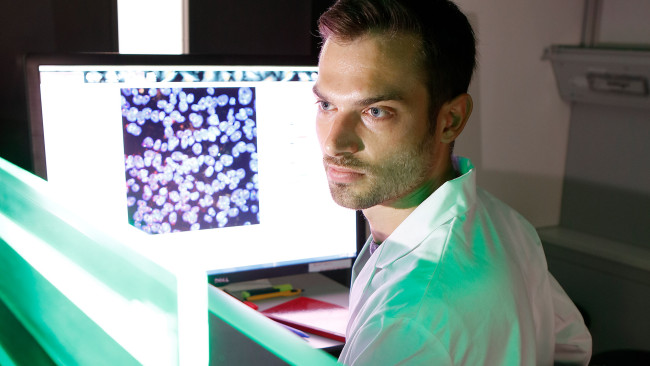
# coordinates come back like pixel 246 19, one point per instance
pixel 391 95
pixel 316 92
pixel 380 98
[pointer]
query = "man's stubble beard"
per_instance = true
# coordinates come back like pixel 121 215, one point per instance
pixel 385 181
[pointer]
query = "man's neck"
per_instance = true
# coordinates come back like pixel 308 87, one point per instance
pixel 384 218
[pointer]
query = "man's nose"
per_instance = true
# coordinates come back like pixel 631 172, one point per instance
pixel 342 137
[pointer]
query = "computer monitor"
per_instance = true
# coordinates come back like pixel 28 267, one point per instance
pixel 211 158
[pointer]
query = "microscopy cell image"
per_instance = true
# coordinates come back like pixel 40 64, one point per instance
pixel 190 158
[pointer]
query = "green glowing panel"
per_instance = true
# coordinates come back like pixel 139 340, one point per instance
pixel 69 336
pixel 85 297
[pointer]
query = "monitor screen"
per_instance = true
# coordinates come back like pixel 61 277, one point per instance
pixel 214 159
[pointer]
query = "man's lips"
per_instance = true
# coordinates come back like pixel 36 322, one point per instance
pixel 340 174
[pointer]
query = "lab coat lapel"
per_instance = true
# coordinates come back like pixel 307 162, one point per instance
pixel 362 273
pixel 387 253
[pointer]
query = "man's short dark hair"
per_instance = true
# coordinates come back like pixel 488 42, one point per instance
pixel 448 42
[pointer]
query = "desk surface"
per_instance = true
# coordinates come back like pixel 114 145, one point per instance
pixel 316 286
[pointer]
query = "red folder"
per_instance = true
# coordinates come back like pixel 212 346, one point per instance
pixel 312 316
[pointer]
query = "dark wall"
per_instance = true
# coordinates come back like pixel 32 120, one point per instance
pixel 255 27
pixel 43 26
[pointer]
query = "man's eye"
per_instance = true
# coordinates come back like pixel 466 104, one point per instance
pixel 376 112
pixel 324 105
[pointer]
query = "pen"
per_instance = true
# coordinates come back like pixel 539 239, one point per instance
pixel 274 294
pixel 298 332
pixel 246 294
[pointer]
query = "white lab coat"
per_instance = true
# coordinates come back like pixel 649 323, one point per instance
pixel 462 281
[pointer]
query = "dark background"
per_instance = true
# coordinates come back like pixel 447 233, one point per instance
pixel 229 27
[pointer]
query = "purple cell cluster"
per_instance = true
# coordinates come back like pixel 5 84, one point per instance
pixel 190 158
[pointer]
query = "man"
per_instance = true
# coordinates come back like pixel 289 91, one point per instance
pixel 450 275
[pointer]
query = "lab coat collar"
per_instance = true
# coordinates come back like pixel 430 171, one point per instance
pixel 450 200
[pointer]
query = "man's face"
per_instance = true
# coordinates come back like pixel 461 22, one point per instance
pixel 373 120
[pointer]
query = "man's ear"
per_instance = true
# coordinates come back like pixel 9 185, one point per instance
pixel 453 116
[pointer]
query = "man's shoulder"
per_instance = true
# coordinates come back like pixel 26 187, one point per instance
pixel 495 207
